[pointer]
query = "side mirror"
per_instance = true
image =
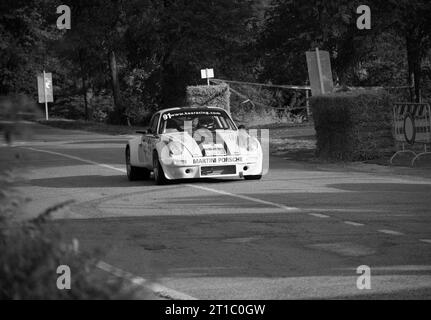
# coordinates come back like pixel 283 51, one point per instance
pixel 241 127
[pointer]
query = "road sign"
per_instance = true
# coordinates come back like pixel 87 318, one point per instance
pixel 319 72
pixel 44 89
pixel 207 74
pixel 412 123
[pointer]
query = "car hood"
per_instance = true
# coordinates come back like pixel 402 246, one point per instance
pixel 198 145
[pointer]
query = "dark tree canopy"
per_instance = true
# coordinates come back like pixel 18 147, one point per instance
pixel 123 59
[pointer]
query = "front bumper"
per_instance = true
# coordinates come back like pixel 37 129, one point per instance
pixel 209 169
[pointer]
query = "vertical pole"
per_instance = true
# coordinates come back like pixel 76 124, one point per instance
pixel 208 79
pixel 307 103
pixel 44 96
pixel 319 68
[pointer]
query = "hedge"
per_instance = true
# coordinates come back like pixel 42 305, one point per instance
pixel 354 125
pixel 214 95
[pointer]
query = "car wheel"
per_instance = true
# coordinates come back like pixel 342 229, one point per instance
pixel 256 177
pixel 135 173
pixel 159 175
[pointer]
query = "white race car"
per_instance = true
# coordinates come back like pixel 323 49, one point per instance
pixel 190 143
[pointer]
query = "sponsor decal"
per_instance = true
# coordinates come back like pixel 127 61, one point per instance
pixel 212 150
pixel 216 160
pixel 170 115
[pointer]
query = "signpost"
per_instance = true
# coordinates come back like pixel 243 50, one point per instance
pixel 319 72
pixel 44 88
pixel 207 74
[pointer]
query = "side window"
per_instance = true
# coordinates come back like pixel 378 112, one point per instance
pixel 154 122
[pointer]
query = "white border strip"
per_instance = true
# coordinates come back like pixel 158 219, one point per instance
pixel 156 288
pixel 391 232
pixel 239 196
pixel 319 215
pixel 355 224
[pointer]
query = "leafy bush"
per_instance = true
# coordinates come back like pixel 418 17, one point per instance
pixel 12 109
pixel 71 106
pixel 254 106
pixel 355 125
pixel 251 114
pixel 215 95
pixel 32 250
pixel 29 256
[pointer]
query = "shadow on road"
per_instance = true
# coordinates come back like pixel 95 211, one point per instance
pixel 89 181
pixel 110 181
pixel 383 187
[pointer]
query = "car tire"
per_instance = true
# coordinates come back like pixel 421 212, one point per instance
pixel 256 177
pixel 159 175
pixel 135 173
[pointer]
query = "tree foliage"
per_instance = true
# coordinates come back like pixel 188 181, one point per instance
pixel 122 59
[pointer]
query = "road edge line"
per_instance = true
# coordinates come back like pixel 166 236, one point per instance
pixel 156 288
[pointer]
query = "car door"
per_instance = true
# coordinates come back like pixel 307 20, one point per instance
pixel 150 139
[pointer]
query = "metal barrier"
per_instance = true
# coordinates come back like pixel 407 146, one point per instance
pixel 412 123
pixel 286 110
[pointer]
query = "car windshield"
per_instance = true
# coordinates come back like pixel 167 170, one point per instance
pixel 192 120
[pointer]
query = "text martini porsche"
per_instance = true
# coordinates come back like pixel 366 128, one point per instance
pixel 190 143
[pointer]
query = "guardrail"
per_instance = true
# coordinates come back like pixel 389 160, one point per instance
pixel 282 111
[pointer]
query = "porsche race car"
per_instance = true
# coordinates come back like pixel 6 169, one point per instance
pixel 190 143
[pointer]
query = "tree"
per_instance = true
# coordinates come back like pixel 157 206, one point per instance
pixel 411 20
pixel 24 32
pixel 94 43
pixel 190 35
pixel 292 27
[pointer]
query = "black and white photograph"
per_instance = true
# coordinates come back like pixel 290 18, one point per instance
pixel 212 157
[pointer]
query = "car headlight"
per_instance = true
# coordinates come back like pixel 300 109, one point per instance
pixel 253 145
pixel 248 144
pixel 175 148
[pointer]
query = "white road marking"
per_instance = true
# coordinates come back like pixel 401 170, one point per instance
pixel 277 205
pixel 157 288
pixel 239 196
pixel 319 215
pixel 78 159
pixel 352 223
pixel 391 232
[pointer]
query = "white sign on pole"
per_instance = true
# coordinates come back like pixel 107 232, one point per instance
pixel 44 88
pixel 207 74
pixel 319 72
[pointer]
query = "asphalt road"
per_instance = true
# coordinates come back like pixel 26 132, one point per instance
pixel 300 232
